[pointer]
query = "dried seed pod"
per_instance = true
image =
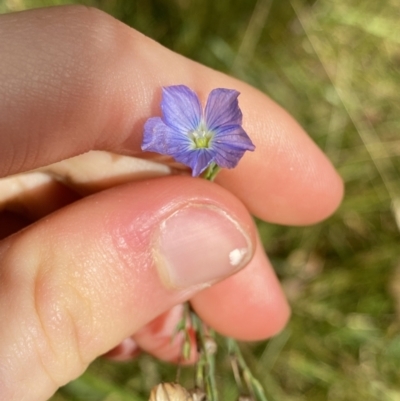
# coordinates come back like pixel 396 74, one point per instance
pixel 169 392
pixel 245 398
pixel 198 394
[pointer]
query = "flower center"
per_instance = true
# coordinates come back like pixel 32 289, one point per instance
pixel 201 137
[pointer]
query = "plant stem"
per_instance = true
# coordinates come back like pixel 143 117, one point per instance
pixel 254 386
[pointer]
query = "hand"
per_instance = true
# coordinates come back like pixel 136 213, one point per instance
pixel 88 274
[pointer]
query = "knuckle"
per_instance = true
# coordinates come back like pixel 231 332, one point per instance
pixel 55 308
pixel 47 309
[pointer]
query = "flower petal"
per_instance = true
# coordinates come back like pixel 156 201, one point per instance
pixel 159 137
pixel 181 108
pixel 201 159
pixel 230 144
pixel 233 136
pixel 197 159
pixel 222 109
pixel 182 114
pixel 228 158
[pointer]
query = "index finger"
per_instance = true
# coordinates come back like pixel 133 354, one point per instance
pixel 73 79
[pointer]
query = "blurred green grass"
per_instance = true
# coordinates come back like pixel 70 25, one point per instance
pixel 334 64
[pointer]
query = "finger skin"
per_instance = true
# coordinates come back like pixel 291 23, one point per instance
pixel 158 338
pixel 91 82
pixel 161 339
pixel 34 195
pixel 249 305
pixel 75 284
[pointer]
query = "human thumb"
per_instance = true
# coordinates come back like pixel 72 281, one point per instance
pixel 78 282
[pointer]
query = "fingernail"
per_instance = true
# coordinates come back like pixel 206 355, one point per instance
pixel 200 244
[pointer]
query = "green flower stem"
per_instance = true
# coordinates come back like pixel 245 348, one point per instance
pixel 182 328
pixel 207 357
pixel 253 385
pixel 205 366
pixel 211 172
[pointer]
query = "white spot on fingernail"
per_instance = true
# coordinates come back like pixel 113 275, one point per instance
pixel 236 256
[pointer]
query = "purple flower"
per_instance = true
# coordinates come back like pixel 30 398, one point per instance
pixel 196 138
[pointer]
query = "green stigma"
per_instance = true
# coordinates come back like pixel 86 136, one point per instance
pixel 202 141
pixel 201 137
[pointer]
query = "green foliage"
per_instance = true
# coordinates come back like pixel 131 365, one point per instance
pixel 334 64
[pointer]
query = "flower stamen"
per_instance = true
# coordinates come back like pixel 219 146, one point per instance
pixel 201 137
pixel 202 140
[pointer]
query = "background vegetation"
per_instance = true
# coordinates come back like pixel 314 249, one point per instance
pixel 334 64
